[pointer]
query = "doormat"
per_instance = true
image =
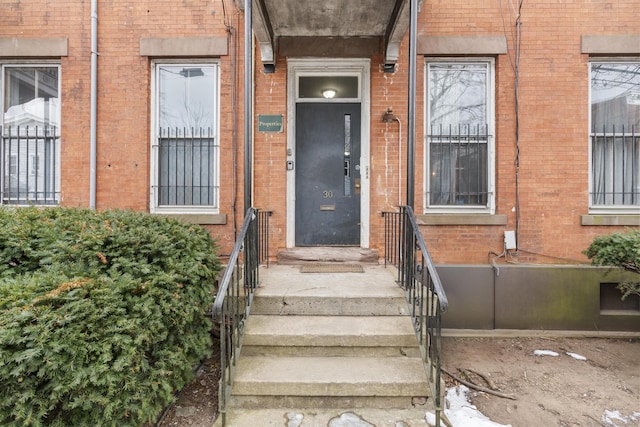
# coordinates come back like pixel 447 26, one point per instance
pixel 331 268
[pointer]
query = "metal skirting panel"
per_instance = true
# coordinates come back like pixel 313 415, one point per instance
pixel 533 297
pixel 469 289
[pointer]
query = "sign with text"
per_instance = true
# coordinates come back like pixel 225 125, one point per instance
pixel 270 122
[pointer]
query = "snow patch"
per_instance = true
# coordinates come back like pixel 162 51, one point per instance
pixel 576 356
pixel 461 412
pixel 294 420
pixel 545 353
pixel 349 419
pixel 610 417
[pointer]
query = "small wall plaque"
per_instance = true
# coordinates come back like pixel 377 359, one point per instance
pixel 270 122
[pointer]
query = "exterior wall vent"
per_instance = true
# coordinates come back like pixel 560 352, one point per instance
pixel 611 301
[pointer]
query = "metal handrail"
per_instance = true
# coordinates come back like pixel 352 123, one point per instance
pixel 235 294
pixel 405 248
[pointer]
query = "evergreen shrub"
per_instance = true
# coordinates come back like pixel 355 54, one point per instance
pixel 101 314
pixel 621 250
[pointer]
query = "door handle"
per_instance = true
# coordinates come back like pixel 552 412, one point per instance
pixel 357 185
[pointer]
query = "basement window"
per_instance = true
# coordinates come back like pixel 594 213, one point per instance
pixel 611 301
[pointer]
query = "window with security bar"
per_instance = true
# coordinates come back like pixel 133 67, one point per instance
pixel 30 134
pixel 185 143
pixel 459 141
pixel 615 136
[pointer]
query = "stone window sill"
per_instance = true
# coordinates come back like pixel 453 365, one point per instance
pixel 608 219
pixel 461 219
pixel 201 219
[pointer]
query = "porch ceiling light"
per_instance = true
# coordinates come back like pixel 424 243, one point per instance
pixel 328 93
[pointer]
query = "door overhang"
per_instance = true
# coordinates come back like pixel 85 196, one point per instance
pixel 327 29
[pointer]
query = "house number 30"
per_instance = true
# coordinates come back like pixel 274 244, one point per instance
pixel 327 194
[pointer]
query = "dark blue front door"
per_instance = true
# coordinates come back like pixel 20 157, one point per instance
pixel 327 174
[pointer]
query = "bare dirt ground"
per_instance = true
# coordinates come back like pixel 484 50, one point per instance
pixel 549 391
pixel 197 403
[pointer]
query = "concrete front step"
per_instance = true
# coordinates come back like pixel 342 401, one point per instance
pixel 286 291
pixel 314 351
pixel 414 417
pixel 328 343
pixel 327 306
pixel 325 402
pixel 305 255
pixel 329 378
pixel 329 331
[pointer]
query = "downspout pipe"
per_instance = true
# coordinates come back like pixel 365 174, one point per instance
pixel 411 120
pixel 93 102
pixel 248 110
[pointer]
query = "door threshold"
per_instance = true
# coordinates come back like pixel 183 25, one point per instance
pixel 310 254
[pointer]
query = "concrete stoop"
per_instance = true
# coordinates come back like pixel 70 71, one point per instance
pixel 324 345
pixel 320 417
pixel 303 255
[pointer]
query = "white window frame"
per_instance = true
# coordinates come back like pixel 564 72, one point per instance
pixel 328 74
pixel 155 155
pixel 50 201
pixel 490 99
pixel 604 209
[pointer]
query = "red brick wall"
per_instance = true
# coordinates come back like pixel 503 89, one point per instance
pixel 553 124
pixel 28 19
pixel 471 244
pixel 124 88
pixel 553 115
pixel 270 151
pixel 388 179
pixel 124 110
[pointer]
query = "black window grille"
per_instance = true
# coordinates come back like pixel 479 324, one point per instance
pixel 458 165
pixel 31 165
pixel 186 169
pixel 615 153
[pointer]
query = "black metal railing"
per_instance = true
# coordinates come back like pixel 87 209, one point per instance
pixel 417 276
pixel 235 294
pixel 30 165
pixel 263 236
